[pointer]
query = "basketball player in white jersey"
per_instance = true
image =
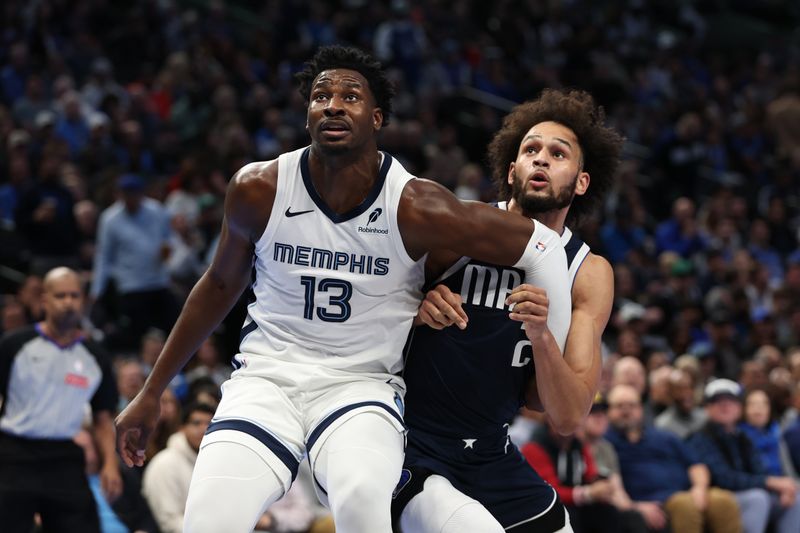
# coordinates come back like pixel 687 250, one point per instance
pixel 543 160
pixel 337 234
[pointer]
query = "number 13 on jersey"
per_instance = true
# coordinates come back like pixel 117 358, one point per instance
pixel 338 292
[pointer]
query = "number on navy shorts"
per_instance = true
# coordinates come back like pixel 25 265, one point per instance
pixel 338 308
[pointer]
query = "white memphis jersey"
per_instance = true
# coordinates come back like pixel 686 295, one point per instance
pixel 334 290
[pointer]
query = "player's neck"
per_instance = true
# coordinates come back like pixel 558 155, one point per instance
pixel 553 219
pixel 343 181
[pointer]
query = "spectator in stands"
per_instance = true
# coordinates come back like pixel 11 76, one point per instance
pixel 130 379
pixel 735 464
pixel 169 422
pixel 658 390
pixel 664 478
pixel 208 364
pixel 151 346
pixel 680 233
pixel 684 416
pixel 166 479
pixel 48 373
pixel 567 464
pixel 765 434
pixel 132 249
pixel 792 437
pixel 44 216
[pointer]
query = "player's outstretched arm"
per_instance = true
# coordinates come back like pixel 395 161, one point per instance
pixel 592 298
pixel 248 204
pixel 432 218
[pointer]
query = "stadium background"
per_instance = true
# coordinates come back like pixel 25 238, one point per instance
pixel 707 94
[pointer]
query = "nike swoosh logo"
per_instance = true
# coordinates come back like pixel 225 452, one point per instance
pixel 290 214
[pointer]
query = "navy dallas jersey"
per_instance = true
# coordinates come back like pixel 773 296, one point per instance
pixel 466 386
pixel 470 383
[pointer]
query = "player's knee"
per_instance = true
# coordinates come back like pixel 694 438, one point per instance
pixel 229 495
pixel 440 507
pixel 361 500
pixel 472 517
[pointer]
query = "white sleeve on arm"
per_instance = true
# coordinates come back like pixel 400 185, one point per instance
pixel 545 264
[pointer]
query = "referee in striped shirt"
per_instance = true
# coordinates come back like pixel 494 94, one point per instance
pixel 49 372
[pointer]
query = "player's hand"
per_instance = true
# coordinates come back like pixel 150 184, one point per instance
pixel 441 308
pixel 134 425
pixel 530 306
pixel 111 481
pixel 653 515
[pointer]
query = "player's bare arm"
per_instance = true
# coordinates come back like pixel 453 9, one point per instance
pixel 579 370
pixel 431 217
pixel 248 205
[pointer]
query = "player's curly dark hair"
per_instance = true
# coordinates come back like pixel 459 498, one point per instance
pixel 575 109
pixel 348 57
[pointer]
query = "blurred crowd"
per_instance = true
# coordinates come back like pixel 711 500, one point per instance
pixel 148 108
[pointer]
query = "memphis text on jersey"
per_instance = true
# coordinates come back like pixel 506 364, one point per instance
pixel 330 260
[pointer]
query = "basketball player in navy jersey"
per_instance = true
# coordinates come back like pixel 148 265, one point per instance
pixel 467 383
pixel 336 233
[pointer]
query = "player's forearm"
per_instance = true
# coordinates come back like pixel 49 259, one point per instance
pixel 207 305
pixel 565 396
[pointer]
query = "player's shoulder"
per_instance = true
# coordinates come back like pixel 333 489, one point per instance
pixel 254 183
pixel 420 188
pixel 424 201
pixel 596 266
pixel 257 174
pixel 251 194
pixel 594 283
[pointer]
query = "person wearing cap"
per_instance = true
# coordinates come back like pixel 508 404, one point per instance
pixel 735 465
pixel 132 251
pixel 666 480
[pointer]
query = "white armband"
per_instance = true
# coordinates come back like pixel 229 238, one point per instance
pixel 544 262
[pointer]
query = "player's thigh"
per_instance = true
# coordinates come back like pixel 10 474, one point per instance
pixel 259 414
pixel 359 421
pixel 441 507
pixel 363 453
pixel 232 485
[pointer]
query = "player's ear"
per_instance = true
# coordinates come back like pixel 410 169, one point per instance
pixel 582 183
pixel 511 174
pixel 377 118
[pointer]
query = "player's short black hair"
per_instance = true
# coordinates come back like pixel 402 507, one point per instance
pixel 600 145
pixel 348 57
